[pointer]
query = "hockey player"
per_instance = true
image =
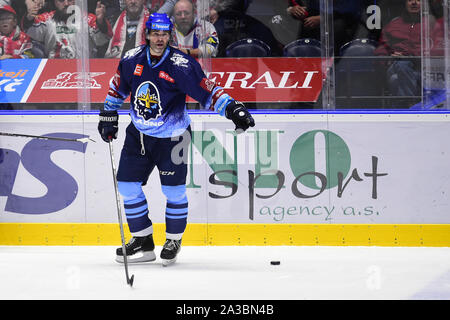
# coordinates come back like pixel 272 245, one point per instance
pixel 158 77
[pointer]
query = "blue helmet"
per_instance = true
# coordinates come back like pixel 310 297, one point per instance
pixel 159 21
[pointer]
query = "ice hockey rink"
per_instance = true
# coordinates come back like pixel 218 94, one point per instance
pixel 228 273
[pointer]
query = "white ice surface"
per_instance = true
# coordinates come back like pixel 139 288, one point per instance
pixel 214 272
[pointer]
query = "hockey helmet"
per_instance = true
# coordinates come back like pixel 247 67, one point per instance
pixel 159 21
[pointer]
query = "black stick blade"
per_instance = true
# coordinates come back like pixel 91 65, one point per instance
pixel 131 280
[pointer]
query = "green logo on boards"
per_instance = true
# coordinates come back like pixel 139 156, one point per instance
pixel 318 159
pixel 319 148
pixel 316 156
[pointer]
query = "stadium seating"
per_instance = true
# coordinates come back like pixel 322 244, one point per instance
pixel 302 48
pixel 357 75
pixel 248 47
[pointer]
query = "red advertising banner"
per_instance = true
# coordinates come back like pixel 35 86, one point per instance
pixel 246 79
pixel 61 81
pixel 269 79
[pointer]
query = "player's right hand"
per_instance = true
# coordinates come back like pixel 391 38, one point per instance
pixel 108 125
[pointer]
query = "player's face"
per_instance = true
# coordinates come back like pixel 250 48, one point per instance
pixel 158 41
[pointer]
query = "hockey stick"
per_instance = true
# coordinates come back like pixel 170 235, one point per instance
pixel 124 252
pixel 83 140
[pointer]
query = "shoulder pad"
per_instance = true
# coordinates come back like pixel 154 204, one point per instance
pixel 133 52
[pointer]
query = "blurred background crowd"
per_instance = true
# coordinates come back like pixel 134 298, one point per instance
pixel 392 31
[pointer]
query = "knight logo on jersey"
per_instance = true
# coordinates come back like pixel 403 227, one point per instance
pixel 147 101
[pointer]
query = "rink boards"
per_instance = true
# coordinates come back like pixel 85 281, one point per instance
pixel 295 179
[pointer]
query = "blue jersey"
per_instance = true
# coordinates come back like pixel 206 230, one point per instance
pixel 158 92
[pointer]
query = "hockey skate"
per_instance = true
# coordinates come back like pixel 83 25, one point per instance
pixel 139 249
pixel 170 251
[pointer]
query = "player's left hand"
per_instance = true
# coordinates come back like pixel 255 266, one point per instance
pixel 238 113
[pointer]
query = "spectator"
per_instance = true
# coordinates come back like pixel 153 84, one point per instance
pixel 308 13
pixel 34 8
pixel 438 38
pixel 112 9
pixel 112 13
pixel 234 24
pixel 282 24
pixel 129 29
pixel 438 31
pixel 191 36
pixel 60 37
pixel 164 6
pixel 155 5
pixel 401 38
pixel 346 19
pixel 14 44
pixel 23 6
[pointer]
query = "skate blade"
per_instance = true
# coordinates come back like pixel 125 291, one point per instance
pixel 146 256
pixel 168 262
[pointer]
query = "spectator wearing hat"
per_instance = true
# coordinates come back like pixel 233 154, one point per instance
pixel 14 44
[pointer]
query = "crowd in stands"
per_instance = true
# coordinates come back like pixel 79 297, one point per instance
pixel 115 26
pixel 47 29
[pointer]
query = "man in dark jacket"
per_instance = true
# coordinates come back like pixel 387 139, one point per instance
pixel 234 24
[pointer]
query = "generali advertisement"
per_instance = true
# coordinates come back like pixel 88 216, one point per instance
pixel 60 80
pixel 287 169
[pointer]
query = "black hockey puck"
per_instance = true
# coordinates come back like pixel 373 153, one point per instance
pixel 275 263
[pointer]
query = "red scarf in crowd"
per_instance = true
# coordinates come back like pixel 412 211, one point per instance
pixel 16 44
pixel 120 32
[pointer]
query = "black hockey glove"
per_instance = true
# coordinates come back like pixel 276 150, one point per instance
pixel 238 113
pixel 108 125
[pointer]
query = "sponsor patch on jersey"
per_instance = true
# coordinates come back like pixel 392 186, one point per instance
pixel 138 70
pixel 165 76
pixel 207 84
pixel 147 101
